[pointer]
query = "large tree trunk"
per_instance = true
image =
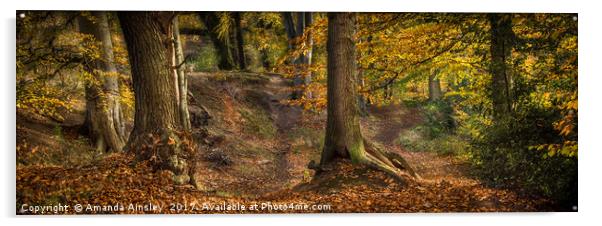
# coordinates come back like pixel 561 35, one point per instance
pixel 103 109
pixel 343 135
pixel 501 48
pixel 240 43
pixel 157 135
pixel 222 45
pixel 435 92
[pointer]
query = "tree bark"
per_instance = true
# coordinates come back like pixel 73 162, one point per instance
pixel 435 92
pixel 343 134
pixel 223 46
pixel 361 98
pixel 265 60
pixel 293 31
pixel 308 61
pixel 388 92
pixel 157 135
pixel 181 76
pixel 240 43
pixel 289 27
pixel 501 48
pixel 103 109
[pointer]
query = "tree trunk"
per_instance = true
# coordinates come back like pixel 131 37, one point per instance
pixel 157 129
pixel 294 32
pixel 289 27
pixel 310 43
pixel 435 93
pixel 242 64
pixel 233 46
pixel 361 98
pixel 265 60
pixel 343 135
pixel 181 76
pixel 222 46
pixel 103 110
pixel 388 92
pixel 501 48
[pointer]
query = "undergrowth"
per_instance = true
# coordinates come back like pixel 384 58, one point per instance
pixel 258 123
pixel 437 132
pixel 501 153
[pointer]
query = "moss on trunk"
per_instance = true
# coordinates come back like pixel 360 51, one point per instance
pixel 343 134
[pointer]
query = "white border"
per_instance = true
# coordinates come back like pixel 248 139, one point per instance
pixel 589 81
pixel 312 5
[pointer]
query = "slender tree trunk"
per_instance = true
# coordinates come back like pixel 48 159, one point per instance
pixel 240 44
pixel 233 46
pixel 289 27
pixel 103 109
pixel 181 76
pixel 501 48
pixel 435 93
pixel 223 46
pixel 310 43
pixel 300 60
pixel 388 92
pixel 294 32
pixel 361 98
pixel 157 129
pixel 343 135
pixel 265 61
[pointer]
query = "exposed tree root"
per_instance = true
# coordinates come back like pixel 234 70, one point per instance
pixel 379 159
pixel 169 150
pixel 389 162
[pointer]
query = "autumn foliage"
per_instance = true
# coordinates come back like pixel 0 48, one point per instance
pixel 425 91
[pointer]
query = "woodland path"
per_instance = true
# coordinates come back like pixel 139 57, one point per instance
pixel 275 173
pixel 446 185
pixel 286 117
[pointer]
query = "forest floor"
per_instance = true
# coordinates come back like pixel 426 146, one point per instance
pixel 256 152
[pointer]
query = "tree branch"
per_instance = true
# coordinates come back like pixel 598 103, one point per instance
pixel 397 73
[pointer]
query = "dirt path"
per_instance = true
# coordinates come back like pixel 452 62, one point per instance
pixel 386 124
pixel 259 164
pixel 286 117
pixel 390 120
pixel 444 175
